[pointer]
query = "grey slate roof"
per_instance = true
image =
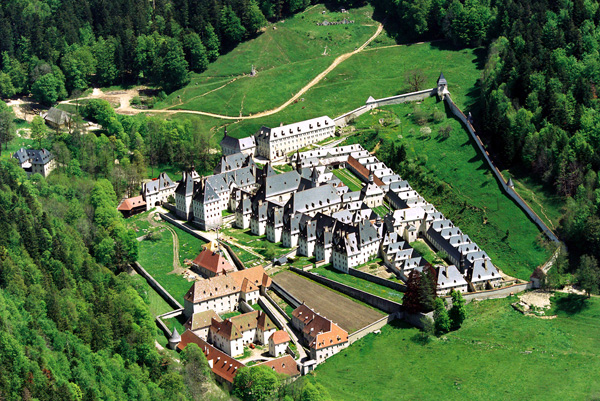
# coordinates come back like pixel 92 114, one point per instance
pixel 206 193
pixel 154 186
pixel 244 206
pixel 238 144
pixel 311 199
pixel 442 79
pixel 233 162
pixel 185 187
pixel 399 186
pixel 449 277
pixel 58 116
pixel 34 156
pixel 483 270
pixel 281 183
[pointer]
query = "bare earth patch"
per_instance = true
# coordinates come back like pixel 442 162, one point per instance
pixel 534 303
pixel 540 299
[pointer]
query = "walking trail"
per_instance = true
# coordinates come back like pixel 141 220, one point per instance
pixel 126 96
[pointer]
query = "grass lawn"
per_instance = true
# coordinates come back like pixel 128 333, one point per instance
pixel 156 304
pixel 229 314
pixel 246 257
pixel 377 72
pixel 260 244
pixel 426 252
pixel 173 172
pixel 290 53
pixel 301 261
pixel 477 204
pixel 381 210
pixel 15 145
pixel 545 202
pixel 348 178
pixel 498 354
pixel 157 258
pixel 358 283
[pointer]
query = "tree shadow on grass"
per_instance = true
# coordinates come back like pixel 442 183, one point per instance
pixel 421 338
pixel 572 304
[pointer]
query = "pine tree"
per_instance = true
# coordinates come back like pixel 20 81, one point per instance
pixel 440 316
pixel 458 312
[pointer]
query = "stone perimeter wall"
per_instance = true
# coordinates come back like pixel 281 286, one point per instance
pixel 509 191
pixel 377 302
pixel 377 280
pixel 371 104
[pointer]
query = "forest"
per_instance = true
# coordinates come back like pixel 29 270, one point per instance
pixel 57 48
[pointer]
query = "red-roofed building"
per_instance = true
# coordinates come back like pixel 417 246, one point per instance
pixel 278 343
pixel 324 338
pixel 223 293
pixel 238 331
pixel 285 365
pixel 362 172
pixel 131 206
pixel 222 365
pixel 211 263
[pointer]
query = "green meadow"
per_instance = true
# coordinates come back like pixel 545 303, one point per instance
pixel 287 55
pixel 498 354
pixel 157 256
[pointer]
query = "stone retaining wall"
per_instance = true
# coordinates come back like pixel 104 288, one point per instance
pixel 269 313
pixel 377 302
pixel 377 280
pixel 287 297
pixel 357 335
pixel 157 287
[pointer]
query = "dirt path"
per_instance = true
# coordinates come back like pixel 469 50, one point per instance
pixel 125 96
pixel 534 200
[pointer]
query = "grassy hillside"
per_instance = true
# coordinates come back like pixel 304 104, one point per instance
pixel 287 55
pixel 377 72
pixel 499 354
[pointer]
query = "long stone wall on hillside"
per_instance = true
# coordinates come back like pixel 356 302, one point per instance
pixel 157 287
pixel 495 293
pixel 509 191
pixel 403 98
pixel 272 316
pixel 275 305
pixel 371 104
pixel 377 302
pixel 377 280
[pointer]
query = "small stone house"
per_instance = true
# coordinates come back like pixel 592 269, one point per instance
pixel 199 323
pixel 278 343
pixel 57 118
pixel 233 334
pixel 35 161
